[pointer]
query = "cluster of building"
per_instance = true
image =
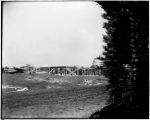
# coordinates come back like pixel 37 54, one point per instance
pixel 56 70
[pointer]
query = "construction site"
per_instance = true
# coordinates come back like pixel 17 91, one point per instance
pixel 68 70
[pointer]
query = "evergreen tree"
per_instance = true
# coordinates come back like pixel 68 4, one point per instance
pixel 125 60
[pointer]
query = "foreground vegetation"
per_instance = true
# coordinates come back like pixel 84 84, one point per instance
pixel 44 99
pixel 126 59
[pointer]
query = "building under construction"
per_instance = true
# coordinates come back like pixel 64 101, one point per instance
pixel 68 70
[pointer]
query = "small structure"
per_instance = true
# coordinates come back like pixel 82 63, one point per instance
pixel 10 70
pixel 28 68
pixel 43 69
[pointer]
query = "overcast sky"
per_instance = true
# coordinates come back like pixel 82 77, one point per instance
pixel 51 33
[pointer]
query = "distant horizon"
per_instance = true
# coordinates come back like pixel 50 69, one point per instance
pixel 46 66
pixel 52 33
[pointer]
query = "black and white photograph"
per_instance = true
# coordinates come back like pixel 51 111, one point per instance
pixel 75 59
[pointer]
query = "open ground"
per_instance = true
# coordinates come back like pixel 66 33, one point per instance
pixel 48 96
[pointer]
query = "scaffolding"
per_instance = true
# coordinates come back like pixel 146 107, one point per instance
pixel 69 71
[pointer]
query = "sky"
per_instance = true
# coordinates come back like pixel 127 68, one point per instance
pixel 52 33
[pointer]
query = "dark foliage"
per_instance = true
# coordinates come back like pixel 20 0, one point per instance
pixel 126 59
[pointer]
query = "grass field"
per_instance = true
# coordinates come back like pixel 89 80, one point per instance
pixel 52 96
